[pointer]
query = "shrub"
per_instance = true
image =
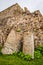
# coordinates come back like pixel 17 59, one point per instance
pixel 28 57
pixel 21 55
pixel 14 54
pixel 24 57
pixel 37 54
pixel 40 48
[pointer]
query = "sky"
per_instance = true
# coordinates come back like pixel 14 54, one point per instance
pixel 32 5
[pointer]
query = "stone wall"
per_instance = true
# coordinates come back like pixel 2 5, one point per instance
pixel 18 25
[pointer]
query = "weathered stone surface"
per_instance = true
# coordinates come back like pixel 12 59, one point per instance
pixel 18 25
pixel 28 44
pixel 11 11
pixel 12 43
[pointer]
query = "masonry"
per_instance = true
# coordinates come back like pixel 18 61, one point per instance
pixel 18 25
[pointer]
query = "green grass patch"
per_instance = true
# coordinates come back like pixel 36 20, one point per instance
pixel 21 59
pixel 16 60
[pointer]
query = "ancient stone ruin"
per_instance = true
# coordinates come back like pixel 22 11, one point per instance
pixel 20 30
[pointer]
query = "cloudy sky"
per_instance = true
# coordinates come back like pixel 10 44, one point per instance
pixel 32 5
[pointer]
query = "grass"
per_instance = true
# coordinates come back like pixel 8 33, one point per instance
pixel 15 60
